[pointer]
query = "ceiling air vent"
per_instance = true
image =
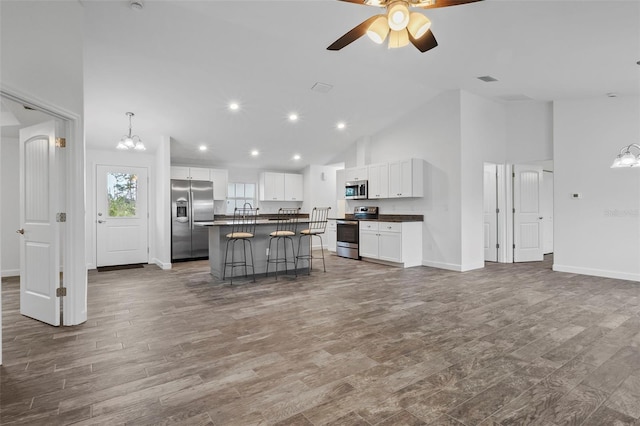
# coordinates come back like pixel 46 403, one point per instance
pixel 487 79
pixel 321 87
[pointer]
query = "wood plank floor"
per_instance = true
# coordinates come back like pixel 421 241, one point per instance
pixel 362 344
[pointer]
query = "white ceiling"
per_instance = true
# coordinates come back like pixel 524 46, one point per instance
pixel 177 64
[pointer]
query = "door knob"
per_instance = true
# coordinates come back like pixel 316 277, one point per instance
pixel 101 221
pixel 20 231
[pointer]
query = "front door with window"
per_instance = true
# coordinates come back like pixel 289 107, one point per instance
pixel 122 215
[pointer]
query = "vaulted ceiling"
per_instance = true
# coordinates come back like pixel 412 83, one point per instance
pixel 177 65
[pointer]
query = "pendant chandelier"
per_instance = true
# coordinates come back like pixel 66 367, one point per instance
pixel 130 142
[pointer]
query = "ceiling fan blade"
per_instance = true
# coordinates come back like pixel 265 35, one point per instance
pixel 379 3
pixel 352 35
pixel 424 43
pixel 444 3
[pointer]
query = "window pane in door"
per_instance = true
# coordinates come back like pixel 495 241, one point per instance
pixel 122 193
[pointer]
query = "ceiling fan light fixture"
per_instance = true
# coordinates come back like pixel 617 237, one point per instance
pixel 378 30
pixel 418 24
pixel 398 15
pixel 398 38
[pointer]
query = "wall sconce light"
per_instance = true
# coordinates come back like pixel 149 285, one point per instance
pixel 626 158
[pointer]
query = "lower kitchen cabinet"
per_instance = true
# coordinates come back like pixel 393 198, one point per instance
pixel 396 242
pixel 332 235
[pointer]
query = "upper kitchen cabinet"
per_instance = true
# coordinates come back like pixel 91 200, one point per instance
pixel 355 174
pixel 280 187
pixel 220 179
pixel 293 187
pixel 405 178
pixel 378 181
pixel 192 173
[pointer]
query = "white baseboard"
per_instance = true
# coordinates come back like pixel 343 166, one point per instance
pixel 453 266
pixel 161 264
pixel 91 266
pixel 10 273
pixel 442 265
pixel 597 272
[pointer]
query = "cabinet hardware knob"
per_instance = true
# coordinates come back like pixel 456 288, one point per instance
pixel 101 221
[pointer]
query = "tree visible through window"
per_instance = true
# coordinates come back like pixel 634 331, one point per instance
pixel 240 193
pixel 122 191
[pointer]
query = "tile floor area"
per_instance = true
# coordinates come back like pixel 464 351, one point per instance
pixel 361 344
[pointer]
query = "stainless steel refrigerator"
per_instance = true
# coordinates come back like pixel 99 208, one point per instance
pixel 191 202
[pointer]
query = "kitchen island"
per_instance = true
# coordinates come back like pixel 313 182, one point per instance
pixel 218 231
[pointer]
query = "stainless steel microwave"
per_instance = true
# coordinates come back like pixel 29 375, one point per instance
pixel 357 190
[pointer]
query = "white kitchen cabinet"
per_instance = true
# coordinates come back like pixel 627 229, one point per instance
pixel 406 178
pixel 378 181
pixel 293 187
pixel 332 235
pixel 220 179
pixel 368 245
pixel 190 173
pixel 355 174
pixel 281 187
pixel 391 242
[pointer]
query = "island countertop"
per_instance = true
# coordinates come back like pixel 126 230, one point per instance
pixel 229 222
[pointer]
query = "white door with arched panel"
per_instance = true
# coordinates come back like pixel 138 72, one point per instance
pixel 40 240
pixel 490 215
pixel 122 215
pixel 527 213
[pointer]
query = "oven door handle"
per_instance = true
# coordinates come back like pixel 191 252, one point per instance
pixel 346 222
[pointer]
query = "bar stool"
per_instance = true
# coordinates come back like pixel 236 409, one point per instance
pixel 317 226
pixel 286 224
pixel 243 230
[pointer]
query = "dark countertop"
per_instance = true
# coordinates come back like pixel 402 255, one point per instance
pixel 387 218
pixel 267 216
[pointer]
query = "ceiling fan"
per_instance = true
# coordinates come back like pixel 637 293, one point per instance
pixel 399 23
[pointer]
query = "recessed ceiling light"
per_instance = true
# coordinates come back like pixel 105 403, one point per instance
pixel 255 153
pixel 296 157
pixel 202 148
pixel 341 125
pixel 233 106
pixel 293 116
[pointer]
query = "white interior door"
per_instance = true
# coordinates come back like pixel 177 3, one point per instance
pixel 527 213
pixel 490 213
pixel 547 212
pixel 122 215
pixel 40 241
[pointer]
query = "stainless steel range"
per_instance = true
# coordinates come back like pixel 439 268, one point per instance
pixel 348 230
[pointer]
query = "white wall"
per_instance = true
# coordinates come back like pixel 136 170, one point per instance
pixel 319 188
pixel 160 253
pixel 10 202
pixel 483 136
pixel 598 234
pixel 454 133
pixel 529 131
pixel 430 133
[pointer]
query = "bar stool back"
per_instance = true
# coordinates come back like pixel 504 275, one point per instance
pixel 243 230
pixel 286 226
pixel 317 227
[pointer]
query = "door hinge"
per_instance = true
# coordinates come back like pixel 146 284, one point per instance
pixel 514 246
pixel 61 143
pixel 514 210
pixel 497 210
pixel 497 245
pixel 513 174
pixel 61 291
pixel 61 217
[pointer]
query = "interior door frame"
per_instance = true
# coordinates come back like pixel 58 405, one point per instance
pixel 74 305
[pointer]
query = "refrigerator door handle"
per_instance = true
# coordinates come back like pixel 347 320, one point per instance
pixel 190 209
